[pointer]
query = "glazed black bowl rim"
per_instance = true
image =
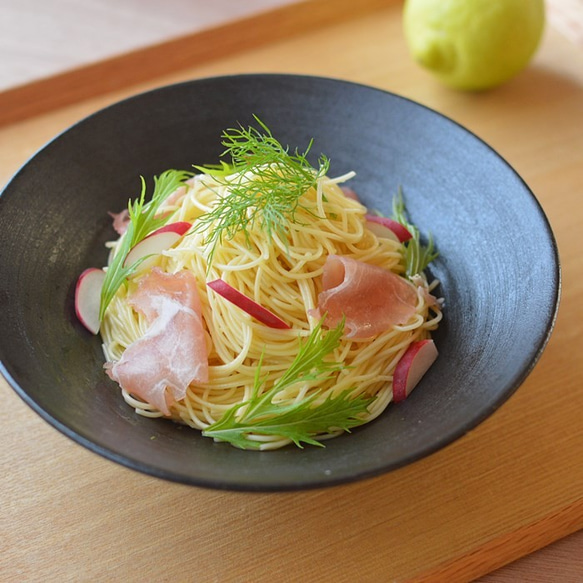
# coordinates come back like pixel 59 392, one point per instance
pixel 323 480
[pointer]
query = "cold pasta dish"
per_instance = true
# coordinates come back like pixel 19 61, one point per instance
pixel 260 302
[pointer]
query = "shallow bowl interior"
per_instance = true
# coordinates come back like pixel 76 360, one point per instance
pixel 498 268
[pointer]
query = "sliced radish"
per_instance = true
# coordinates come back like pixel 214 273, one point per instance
pixel 163 238
pixel 400 231
pixel 412 366
pixel 179 227
pixel 240 300
pixel 88 298
pixel 381 231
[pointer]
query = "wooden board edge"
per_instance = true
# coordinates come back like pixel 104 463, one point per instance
pixel 142 65
pixel 507 548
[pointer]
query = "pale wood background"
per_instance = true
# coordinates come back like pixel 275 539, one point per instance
pixel 42 39
pixel 506 489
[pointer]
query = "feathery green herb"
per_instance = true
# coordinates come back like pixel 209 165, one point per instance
pixel 417 255
pixel 143 221
pixel 298 421
pixel 264 181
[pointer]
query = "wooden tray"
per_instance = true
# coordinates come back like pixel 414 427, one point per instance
pixel 509 487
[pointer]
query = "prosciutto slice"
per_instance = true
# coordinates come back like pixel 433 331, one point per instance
pixel 172 354
pixel 349 193
pixel 120 221
pixel 371 299
pixel 177 195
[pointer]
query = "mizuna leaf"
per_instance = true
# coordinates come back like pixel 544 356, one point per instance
pixel 143 221
pixel 299 421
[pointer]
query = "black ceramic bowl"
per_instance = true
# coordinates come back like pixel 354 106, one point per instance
pixel 498 266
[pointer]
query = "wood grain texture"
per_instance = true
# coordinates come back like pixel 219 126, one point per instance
pixel 136 62
pixel 510 486
pixel 561 561
pixel 42 39
pixel 523 540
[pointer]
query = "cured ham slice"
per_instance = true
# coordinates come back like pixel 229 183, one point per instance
pixel 178 194
pixel 120 221
pixel 371 299
pixel 172 354
pixel 349 193
pixel 429 298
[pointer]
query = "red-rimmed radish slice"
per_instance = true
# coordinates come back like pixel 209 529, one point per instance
pixel 163 238
pixel 179 227
pixel 399 230
pixel 252 308
pixel 381 231
pixel 412 366
pixel 88 298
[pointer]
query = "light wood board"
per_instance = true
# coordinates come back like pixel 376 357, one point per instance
pixel 512 485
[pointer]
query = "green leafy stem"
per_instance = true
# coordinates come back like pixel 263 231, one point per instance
pixel 300 421
pixel 264 182
pixel 143 221
pixel 417 256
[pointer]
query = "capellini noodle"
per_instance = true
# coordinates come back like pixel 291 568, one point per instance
pixel 282 273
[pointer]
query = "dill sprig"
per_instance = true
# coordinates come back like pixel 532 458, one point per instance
pixel 143 221
pixel 264 183
pixel 417 256
pixel 299 421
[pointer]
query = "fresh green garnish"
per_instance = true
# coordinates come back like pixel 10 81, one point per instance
pixel 298 421
pixel 142 222
pixel 264 184
pixel 417 255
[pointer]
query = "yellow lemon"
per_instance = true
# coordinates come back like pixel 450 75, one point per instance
pixel 473 44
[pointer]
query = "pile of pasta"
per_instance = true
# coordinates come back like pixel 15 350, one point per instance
pixel 283 273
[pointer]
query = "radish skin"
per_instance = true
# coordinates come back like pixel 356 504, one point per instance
pixel 414 363
pixel 179 227
pixel 88 298
pixel 381 231
pixel 400 231
pixel 163 238
pixel 249 306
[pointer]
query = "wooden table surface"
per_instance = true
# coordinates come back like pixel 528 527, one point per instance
pixel 509 487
